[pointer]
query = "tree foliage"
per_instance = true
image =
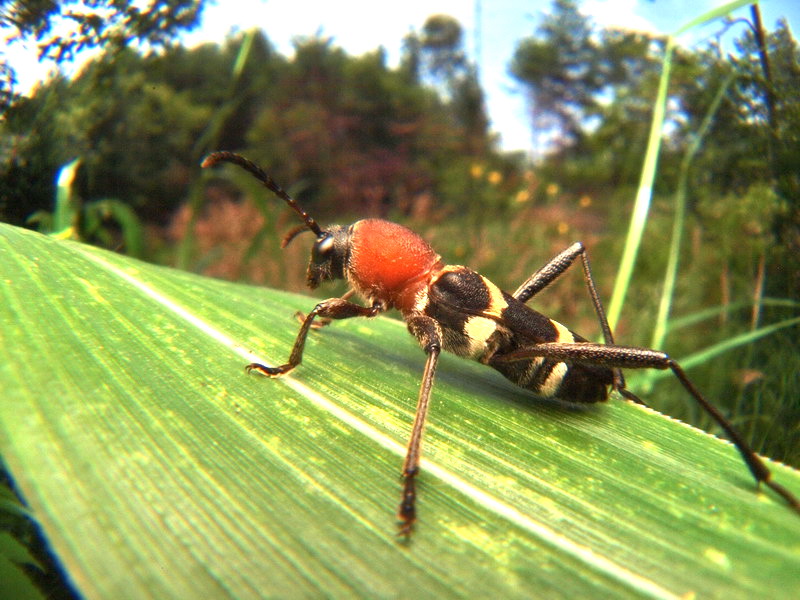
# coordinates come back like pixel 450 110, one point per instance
pixel 62 28
pixel 368 136
pixel 561 67
pixel 591 91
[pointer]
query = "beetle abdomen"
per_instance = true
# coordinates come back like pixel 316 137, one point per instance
pixel 551 379
pixel 481 322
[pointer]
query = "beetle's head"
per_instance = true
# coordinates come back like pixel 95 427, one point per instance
pixel 331 248
pixel 329 256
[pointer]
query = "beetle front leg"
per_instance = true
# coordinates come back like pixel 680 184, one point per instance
pixel 333 308
pixel 320 323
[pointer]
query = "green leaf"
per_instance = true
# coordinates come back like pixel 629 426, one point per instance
pixel 14 583
pixel 66 209
pixel 718 12
pixel 158 469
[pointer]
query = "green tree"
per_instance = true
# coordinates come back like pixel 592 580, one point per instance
pixel 443 62
pixel 349 128
pixel 134 121
pixel 591 94
pixel 442 48
pixel 766 98
pixel 94 23
pixel 559 66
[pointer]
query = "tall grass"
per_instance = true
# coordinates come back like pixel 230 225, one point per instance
pixel 644 193
pixel 107 222
pixel 717 350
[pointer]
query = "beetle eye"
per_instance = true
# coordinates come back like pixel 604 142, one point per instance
pixel 323 247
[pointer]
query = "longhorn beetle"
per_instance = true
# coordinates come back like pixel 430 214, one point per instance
pixel 450 307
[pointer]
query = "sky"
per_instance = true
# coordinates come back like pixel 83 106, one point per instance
pixel 361 26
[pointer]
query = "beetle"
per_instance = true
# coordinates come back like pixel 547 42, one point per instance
pixel 453 308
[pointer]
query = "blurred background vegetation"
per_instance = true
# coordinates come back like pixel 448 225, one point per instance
pixel 112 157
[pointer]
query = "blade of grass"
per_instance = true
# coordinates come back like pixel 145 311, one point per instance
pixel 644 192
pixel 715 311
pixel 207 141
pixel 671 274
pixel 13 581
pixel 65 212
pixel 705 355
pixel 157 468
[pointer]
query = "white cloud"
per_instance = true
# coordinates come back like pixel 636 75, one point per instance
pixel 622 14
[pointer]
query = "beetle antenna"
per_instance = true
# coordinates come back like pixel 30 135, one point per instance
pixel 257 172
pixel 291 234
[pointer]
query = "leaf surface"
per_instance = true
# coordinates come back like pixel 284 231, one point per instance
pixel 159 469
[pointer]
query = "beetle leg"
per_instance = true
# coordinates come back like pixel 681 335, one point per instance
pixel 641 358
pixel 322 322
pixel 333 308
pixel 429 333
